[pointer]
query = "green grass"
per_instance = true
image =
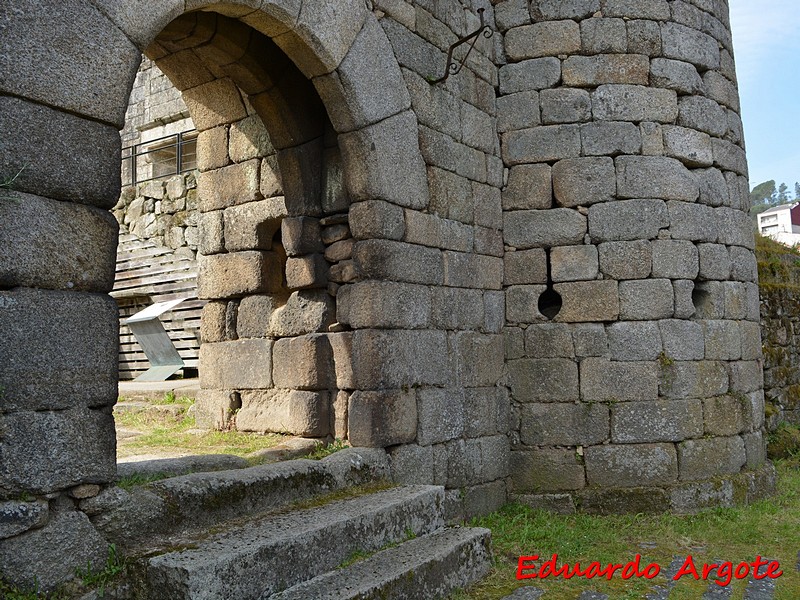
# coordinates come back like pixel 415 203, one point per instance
pixel 768 528
pixel 127 483
pixel 99 579
pixel 322 451
pixel 176 433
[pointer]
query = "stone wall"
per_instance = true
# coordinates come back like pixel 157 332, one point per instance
pixel 780 327
pixel 445 314
pixel 163 211
pixel 779 275
pixel 632 333
pixel 155 108
pixel 551 286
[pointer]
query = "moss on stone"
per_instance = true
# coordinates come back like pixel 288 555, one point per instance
pixel 784 442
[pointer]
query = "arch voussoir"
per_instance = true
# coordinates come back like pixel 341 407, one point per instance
pixel 323 34
pixel 370 65
pixel 141 20
pixel 383 161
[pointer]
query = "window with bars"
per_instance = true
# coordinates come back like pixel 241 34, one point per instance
pixel 162 157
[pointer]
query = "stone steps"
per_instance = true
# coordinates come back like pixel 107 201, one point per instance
pixel 252 533
pixel 261 558
pixel 168 511
pixel 440 562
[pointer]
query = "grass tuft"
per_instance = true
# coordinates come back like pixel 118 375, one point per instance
pixel 115 565
pixel 322 451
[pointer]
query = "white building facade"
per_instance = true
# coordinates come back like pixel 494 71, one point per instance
pixel 781 223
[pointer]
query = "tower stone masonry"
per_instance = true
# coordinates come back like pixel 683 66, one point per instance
pixel 533 281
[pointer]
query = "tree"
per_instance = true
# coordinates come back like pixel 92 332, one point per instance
pixel 764 193
pixel 783 194
pixel 797 191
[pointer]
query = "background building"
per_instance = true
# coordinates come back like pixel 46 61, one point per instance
pixel 781 223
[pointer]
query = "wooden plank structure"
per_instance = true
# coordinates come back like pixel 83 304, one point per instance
pixel 147 273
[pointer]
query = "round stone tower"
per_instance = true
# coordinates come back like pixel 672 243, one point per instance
pixel 632 339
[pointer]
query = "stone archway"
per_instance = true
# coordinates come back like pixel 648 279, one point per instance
pixel 64 101
pixel 67 73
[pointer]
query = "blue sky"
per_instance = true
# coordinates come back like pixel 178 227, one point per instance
pixel 766 40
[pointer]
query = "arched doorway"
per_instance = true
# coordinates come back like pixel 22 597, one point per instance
pixel 66 101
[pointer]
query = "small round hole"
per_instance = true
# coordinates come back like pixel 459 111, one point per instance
pixel 550 303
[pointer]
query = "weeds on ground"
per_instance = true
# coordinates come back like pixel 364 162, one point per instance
pixel 770 528
pixel 322 451
pixel 115 565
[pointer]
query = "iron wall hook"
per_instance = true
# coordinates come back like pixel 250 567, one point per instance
pixel 452 68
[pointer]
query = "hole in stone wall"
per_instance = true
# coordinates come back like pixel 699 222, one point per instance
pixel 550 301
pixel 236 401
pixel 700 299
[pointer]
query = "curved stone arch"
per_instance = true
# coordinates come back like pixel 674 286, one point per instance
pixel 339 45
pixel 215 59
pixel 343 50
pixel 67 71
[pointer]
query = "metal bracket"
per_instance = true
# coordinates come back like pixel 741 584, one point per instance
pixel 453 68
pixel 154 340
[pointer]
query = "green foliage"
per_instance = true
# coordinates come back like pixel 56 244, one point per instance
pixel 115 564
pixel 323 451
pixel 764 193
pixel 783 194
